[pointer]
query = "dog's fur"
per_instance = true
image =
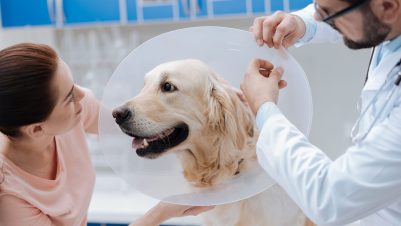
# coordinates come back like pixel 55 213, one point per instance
pixel 220 142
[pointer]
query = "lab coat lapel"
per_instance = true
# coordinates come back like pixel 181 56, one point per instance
pixel 377 75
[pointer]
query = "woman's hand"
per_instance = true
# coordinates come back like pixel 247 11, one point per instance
pixel 164 211
pixel 173 210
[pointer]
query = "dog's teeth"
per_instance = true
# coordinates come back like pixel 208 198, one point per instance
pixel 145 143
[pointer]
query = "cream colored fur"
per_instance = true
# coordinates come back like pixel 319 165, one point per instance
pixel 221 133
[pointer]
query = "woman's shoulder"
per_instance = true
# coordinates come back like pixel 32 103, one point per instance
pixel 22 188
pixel 15 180
pixel 10 181
pixel 2 177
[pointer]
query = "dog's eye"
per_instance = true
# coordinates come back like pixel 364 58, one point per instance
pixel 168 87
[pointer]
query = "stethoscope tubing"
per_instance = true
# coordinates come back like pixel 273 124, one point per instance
pixel 359 138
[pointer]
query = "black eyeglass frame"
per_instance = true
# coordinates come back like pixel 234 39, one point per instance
pixel 331 18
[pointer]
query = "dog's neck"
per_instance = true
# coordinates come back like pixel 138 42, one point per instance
pixel 209 163
pixel 226 144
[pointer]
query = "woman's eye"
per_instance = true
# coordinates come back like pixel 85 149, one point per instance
pixel 168 87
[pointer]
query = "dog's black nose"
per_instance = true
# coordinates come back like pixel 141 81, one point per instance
pixel 121 114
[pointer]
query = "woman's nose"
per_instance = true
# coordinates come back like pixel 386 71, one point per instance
pixel 79 93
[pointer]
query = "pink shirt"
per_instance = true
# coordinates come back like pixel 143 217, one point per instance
pixel 28 200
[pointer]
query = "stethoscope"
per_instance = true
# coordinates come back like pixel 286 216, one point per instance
pixel 355 136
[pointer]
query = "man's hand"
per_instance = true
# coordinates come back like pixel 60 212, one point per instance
pixel 279 29
pixel 262 83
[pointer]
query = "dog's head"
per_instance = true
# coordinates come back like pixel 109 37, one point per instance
pixel 184 108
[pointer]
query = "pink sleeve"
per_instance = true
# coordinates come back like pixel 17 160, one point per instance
pixel 17 212
pixel 90 112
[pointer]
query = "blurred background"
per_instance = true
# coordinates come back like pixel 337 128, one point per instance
pixel 93 36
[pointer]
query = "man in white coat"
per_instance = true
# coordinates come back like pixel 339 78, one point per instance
pixel 365 182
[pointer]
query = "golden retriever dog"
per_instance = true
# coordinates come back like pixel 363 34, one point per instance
pixel 185 108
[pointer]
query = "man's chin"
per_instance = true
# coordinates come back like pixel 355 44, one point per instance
pixel 358 45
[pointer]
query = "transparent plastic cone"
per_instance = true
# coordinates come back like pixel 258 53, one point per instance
pixel 228 52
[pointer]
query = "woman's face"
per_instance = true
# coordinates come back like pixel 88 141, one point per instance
pixel 67 111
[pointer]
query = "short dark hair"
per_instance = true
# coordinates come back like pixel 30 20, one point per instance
pixel 26 73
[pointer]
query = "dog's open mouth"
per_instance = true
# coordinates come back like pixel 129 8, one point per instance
pixel 152 146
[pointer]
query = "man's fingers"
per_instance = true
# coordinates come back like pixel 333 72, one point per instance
pixel 278 37
pixel 270 25
pixel 286 32
pixel 257 66
pixel 264 72
pixel 262 64
pixel 266 69
pixel 279 29
pixel 239 93
pixel 282 31
pixel 289 41
pixel 269 28
pixel 257 30
pixel 276 74
pixel 282 84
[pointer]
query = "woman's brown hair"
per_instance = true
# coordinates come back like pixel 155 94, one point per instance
pixel 26 96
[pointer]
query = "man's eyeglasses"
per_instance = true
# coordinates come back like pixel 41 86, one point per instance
pixel 323 15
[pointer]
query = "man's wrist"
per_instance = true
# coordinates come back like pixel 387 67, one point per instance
pixel 309 23
pixel 264 112
pixel 259 103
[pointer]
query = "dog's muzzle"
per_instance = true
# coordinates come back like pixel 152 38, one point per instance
pixel 122 114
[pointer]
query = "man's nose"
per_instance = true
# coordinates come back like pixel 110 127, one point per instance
pixel 121 114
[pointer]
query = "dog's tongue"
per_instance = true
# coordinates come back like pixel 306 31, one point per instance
pixel 144 142
pixel 138 143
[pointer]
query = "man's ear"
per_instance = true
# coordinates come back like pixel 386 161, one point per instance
pixel 34 130
pixel 388 11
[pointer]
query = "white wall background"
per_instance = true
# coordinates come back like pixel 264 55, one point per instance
pixel 34 34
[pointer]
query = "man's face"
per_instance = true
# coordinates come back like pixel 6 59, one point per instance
pixel 359 26
pixel 374 31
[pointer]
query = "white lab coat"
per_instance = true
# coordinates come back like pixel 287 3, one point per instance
pixel 364 183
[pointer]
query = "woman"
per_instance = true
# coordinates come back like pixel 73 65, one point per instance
pixel 46 176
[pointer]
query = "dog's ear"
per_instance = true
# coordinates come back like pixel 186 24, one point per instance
pixel 244 119
pixel 227 114
pixel 219 109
